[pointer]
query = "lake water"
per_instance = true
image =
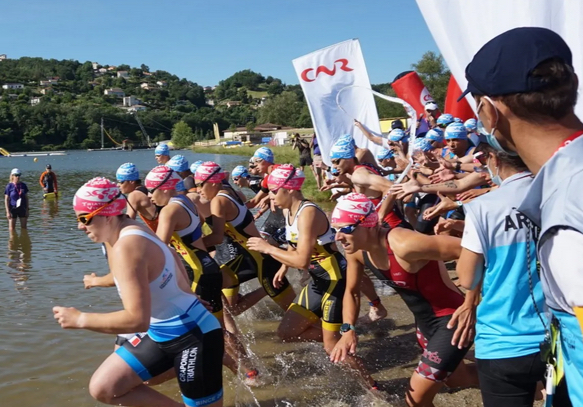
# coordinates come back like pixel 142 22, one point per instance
pixel 44 365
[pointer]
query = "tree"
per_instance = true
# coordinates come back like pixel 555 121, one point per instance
pixel 434 74
pixel 145 68
pixel 275 88
pixel 282 109
pixel 250 127
pixel 182 135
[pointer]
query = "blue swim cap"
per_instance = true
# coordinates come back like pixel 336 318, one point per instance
pixel 343 149
pixel 397 135
pixel 435 134
pixel 445 119
pixel 264 154
pixel 471 125
pixel 180 186
pixel 162 149
pixel 347 138
pixel 178 163
pixel 384 154
pixel 195 165
pixel 240 171
pixel 127 172
pixel 457 120
pixel 456 131
pixel 423 145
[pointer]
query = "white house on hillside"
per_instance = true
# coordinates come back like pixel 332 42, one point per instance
pixel 147 86
pixel 161 83
pixel 114 92
pixel 95 65
pixel 3 57
pixel 137 108
pixel 123 74
pixel 35 101
pixel 13 86
pixel 129 101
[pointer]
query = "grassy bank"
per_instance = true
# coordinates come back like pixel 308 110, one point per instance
pixel 284 154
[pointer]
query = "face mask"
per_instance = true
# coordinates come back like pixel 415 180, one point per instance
pixel 490 138
pixel 495 178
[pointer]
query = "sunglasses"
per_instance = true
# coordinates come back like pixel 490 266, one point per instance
pixel 151 191
pixel 88 217
pixel 290 176
pixel 335 161
pixel 17 175
pixel 348 230
pixel 216 171
pixel 236 179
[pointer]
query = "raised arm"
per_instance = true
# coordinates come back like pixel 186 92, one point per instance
pixel 413 246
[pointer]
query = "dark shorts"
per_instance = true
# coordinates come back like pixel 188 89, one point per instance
pixel 440 358
pixel 305 161
pixel 19 212
pixel 197 359
pixel 322 299
pixel 245 267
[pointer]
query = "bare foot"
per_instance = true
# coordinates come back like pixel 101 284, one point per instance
pixel 374 314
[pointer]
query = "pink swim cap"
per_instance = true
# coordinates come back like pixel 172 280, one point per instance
pixel 280 177
pixel 162 177
pixel 209 172
pixel 352 208
pixel 95 194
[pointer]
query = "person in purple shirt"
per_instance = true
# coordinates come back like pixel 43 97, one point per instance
pixel 16 200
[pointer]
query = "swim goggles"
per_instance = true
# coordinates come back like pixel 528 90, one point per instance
pixel 349 229
pixel 151 191
pixel 88 217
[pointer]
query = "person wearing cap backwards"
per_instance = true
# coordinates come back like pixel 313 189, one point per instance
pixel 156 298
pixel 412 264
pixel 48 180
pixel 525 88
pixel 162 154
pixel 231 218
pixel 432 113
pixel 16 200
pixel 311 247
pixel 180 225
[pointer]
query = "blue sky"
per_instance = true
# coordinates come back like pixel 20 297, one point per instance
pixel 206 41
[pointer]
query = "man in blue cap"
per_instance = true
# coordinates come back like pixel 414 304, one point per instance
pixel 526 90
pixel 162 152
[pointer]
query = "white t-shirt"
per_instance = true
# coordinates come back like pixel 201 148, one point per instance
pixel 560 257
pixel 471 239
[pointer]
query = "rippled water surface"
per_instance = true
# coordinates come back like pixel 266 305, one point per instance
pixel 44 365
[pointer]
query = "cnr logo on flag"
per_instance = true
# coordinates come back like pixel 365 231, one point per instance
pixel 322 68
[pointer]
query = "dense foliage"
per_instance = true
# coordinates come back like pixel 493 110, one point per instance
pixel 66 113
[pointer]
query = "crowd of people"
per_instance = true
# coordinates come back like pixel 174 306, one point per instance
pixel 497 194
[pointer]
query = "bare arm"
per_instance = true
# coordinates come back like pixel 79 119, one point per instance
pixel 413 246
pixel 470 269
pixel 364 179
pixel 253 202
pixel 166 224
pixel 375 139
pixel 219 216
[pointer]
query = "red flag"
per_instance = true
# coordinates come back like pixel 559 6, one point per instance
pixel 461 109
pixel 409 87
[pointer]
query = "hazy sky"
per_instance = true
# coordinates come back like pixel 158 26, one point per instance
pixel 206 41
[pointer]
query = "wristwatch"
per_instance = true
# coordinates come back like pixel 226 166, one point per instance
pixel 458 166
pixel 346 327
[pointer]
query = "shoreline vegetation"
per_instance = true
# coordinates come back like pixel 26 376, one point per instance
pixel 283 155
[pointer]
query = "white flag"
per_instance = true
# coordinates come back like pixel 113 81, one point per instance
pixel 322 75
pixel 461 28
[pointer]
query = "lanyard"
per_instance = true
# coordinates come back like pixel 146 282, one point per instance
pixel 569 140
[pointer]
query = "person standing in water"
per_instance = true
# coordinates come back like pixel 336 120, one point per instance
pixel 162 154
pixel 156 298
pixel 16 200
pixel 48 180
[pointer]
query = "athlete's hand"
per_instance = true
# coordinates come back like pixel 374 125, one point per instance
pixel 8 215
pixel 471 194
pixel 279 276
pixel 444 206
pixel 205 304
pixel 465 319
pixel 344 347
pixel 402 190
pixel 67 317
pixel 258 244
pixel 442 176
pixel 89 281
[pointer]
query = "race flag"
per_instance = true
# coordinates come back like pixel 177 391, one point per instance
pixel 322 75
pixel 476 24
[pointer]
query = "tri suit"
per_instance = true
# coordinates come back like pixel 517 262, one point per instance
pixel 432 302
pixel 322 297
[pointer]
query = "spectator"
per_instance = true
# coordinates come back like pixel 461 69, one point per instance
pixel 16 200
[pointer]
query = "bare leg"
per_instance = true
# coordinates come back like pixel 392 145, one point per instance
pixel 285 299
pixel 298 328
pixel 421 391
pixel 331 338
pixel 23 223
pixel 465 375
pixel 377 311
pixel 237 305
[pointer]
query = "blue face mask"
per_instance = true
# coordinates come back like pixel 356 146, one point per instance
pixel 495 178
pixel 490 138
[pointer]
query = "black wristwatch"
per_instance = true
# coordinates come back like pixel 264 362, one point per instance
pixel 458 166
pixel 346 327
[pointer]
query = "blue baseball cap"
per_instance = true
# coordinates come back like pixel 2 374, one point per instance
pixel 385 154
pixel 435 134
pixel 265 154
pixel 471 125
pixel 423 144
pixel 240 171
pixel 504 65
pixel 444 119
pixel 343 149
pixel 195 165
pixel 456 131
pixel 127 172
pixel 397 135
pixel 162 149
pixel 178 163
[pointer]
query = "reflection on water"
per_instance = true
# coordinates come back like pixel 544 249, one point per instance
pixel 19 257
